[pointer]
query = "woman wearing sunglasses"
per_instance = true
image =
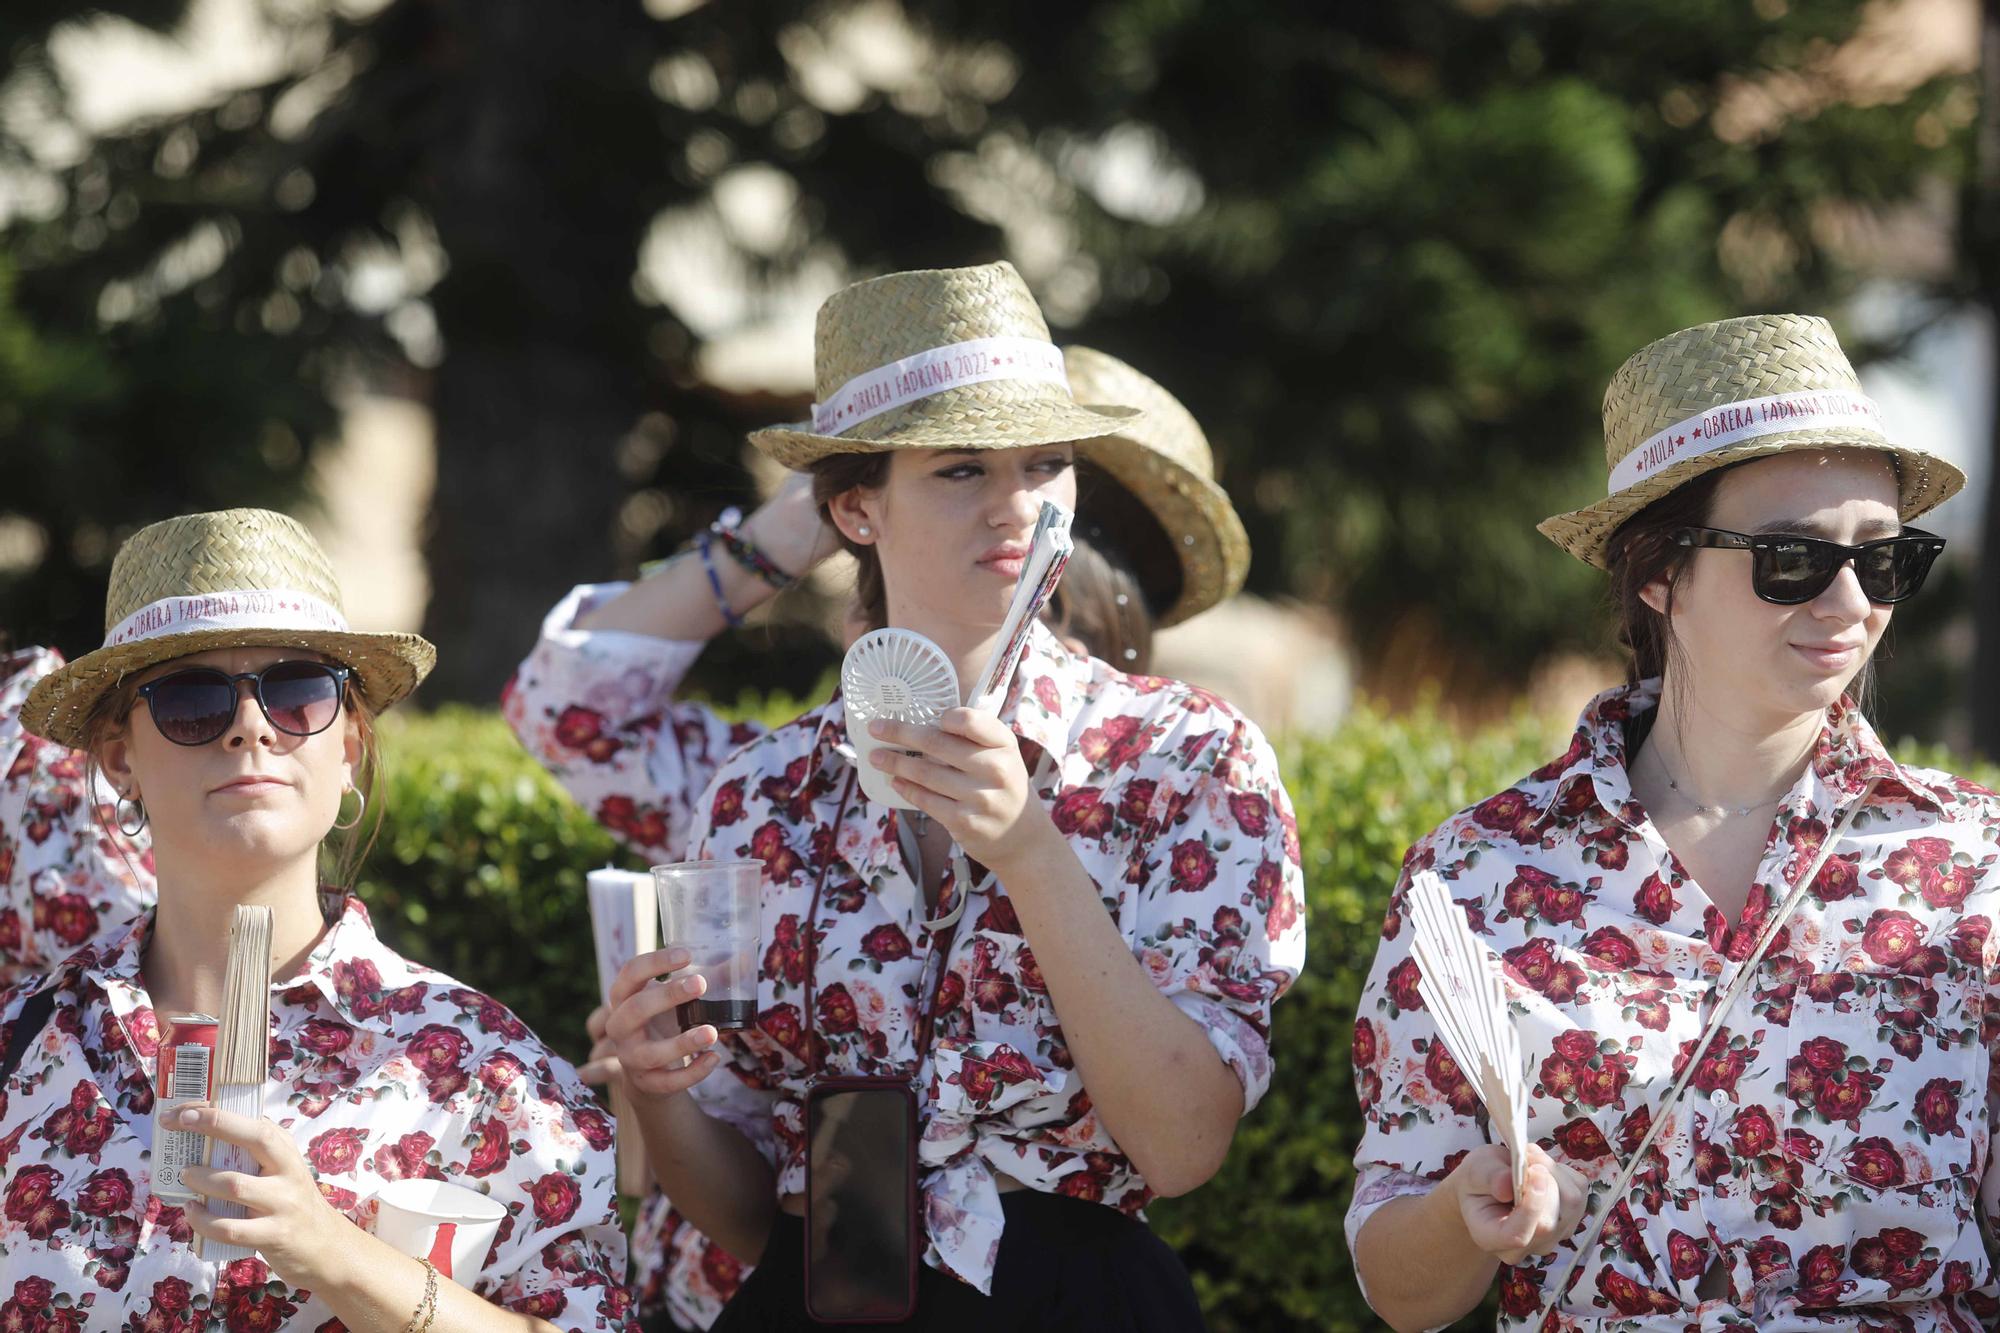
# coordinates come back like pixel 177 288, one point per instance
pixel 232 709
pixel 1096 894
pixel 1748 953
pixel 595 700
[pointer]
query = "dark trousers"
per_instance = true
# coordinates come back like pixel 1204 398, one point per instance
pixel 1063 1265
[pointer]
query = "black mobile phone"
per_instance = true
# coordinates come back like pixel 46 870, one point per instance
pixel 863 1238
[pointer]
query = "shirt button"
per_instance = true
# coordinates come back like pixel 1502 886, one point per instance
pixel 1720 1099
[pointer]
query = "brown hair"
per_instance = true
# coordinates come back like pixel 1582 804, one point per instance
pixel 1099 601
pixel 341 857
pixel 833 476
pixel 1643 550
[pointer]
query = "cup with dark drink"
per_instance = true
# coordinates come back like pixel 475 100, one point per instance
pixel 711 909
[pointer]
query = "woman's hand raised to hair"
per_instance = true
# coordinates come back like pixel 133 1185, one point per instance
pixel 1547 1213
pixel 788 527
pixel 967 774
pixel 640 1042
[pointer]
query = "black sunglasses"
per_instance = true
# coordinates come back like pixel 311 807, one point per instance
pixel 1789 570
pixel 194 706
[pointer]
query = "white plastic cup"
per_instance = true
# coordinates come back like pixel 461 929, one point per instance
pixel 713 910
pixel 623 921
pixel 448 1224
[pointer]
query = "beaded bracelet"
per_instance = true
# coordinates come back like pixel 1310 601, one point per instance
pixel 427 1307
pixel 704 544
pixel 746 554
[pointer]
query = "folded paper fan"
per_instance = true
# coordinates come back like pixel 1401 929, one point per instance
pixel 1048 556
pixel 898 675
pixel 1461 988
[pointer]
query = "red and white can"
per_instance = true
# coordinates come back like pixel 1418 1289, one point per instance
pixel 186 1073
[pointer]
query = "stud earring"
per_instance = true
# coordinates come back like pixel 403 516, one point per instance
pixel 865 531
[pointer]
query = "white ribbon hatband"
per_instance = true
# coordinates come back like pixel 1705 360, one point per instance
pixel 900 383
pixel 1733 423
pixel 258 609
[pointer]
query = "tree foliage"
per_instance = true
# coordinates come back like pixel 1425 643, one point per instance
pixel 1388 253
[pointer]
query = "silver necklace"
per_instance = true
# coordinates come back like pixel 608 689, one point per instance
pixel 1702 807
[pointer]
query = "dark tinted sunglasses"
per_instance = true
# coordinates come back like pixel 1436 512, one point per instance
pixel 195 706
pixel 1790 570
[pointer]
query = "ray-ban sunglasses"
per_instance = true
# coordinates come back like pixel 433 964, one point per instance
pixel 196 705
pixel 1787 570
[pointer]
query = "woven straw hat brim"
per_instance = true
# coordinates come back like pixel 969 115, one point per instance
pixel 387 667
pixel 995 415
pixel 1194 511
pixel 1927 481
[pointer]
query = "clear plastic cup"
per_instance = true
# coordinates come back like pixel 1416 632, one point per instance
pixel 713 910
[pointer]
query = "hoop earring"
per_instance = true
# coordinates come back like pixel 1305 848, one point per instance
pixel 131 828
pixel 360 796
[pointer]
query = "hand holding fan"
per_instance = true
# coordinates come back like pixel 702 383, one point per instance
pixel 1461 988
pixel 900 675
pixel 897 675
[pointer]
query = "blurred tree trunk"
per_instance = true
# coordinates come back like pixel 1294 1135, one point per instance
pixel 542 346
pixel 1982 249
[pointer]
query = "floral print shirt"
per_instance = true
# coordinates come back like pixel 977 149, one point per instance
pixel 379 1069
pixel 1171 800
pixel 65 880
pixel 1829 1152
pixel 597 709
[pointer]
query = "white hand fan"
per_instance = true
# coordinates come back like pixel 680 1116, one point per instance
pixel 898 675
pixel 1459 981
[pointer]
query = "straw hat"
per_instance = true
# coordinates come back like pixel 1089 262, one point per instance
pixel 1165 462
pixel 1721 393
pixel 950 358
pixel 237 578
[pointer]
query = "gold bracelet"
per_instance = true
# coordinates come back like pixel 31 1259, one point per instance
pixel 426 1308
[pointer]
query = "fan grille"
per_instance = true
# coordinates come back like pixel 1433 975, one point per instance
pixel 895 675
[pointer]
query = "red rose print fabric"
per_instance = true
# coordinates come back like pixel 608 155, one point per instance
pixel 1829 1153
pixel 380 1070
pixel 65 880
pixel 1171 799
pixel 1172 803
pixel 597 708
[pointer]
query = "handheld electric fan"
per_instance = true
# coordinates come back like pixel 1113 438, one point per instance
pixel 900 676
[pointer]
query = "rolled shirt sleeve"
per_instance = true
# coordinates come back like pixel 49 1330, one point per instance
pixel 1222 925
pixel 597 709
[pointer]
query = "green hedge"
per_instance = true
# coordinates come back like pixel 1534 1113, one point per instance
pixel 479 866
pixel 480 871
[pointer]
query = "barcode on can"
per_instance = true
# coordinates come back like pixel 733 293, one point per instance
pixel 191 1072
pixel 175 1150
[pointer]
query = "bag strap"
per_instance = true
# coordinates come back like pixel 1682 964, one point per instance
pixel 942 933
pixel 1664 1112
pixel 28 1025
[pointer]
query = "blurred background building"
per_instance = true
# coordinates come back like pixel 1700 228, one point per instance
pixel 489 290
